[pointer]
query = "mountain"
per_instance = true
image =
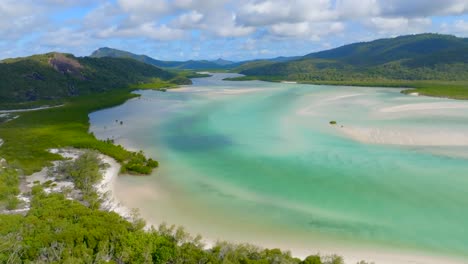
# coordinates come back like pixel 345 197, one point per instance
pixel 219 64
pixel 222 62
pixel 57 75
pixel 190 64
pixel 412 57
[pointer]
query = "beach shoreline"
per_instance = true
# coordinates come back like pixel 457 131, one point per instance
pixel 105 188
pixel 351 254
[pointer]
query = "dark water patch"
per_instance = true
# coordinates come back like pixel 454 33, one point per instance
pixel 189 133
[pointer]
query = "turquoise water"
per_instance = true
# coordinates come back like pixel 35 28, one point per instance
pixel 257 161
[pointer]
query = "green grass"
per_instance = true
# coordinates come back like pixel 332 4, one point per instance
pixel 30 104
pixel 27 138
pixel 454 90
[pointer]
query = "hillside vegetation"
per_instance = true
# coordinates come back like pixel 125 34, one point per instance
pixel 406 61
pixel 206 65
pixel 55 76
pixel 190 64
pixel 58 230
pixel 81 86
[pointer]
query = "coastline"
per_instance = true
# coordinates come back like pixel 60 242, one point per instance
pixel 29 109
pixel 300 249
pixel 105 188
pixel 111 202
pixel 350 254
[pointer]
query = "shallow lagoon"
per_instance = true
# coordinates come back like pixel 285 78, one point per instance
pixel 259 162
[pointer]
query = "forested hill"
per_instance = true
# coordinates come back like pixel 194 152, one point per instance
pixel 412 57
pixel 218 64
pixel 190 64
pixel 57 75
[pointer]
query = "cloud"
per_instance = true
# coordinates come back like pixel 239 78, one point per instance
pixel 458 27
pixel 189 20
pixel 18 18
pixel 422 8
pixel 144 8
pixel 145 30
pixel 271 12
pixel 307 30
pixel 398 25
pixel 242 26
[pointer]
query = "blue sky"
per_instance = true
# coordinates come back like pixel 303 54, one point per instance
pixel 210 29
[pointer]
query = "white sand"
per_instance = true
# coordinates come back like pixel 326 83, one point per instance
pixel 239 91
pixel 339 97
pixel 217 91
pixel 424 107
pixel 399 136
pixel 105 188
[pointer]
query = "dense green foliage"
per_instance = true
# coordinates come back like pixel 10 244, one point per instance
pixel 84 172
pixel 28 138
pixel 58 230
pixel 426 60
pixel 9 181
pixel 53 76
pixel 138 163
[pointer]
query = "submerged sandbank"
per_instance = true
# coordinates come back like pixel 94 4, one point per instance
pixel 244 143
pixel 396 136
pixel 260 235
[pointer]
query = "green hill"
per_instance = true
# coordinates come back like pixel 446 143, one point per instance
pixel 219 64
pixel 405 58
pixel 191 64
pixel 56 75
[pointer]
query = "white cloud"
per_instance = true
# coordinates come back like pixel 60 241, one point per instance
pixel 188 20
pixel 144 7
pixel 307 30
pixel 251 25
pixel 422 8
pixel 65 37
pixel 145 30
pixel 270 12
pixel 459 27
pixel 398 25
pixel 350 9
pixel 18 18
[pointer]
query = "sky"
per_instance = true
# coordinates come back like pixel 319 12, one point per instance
pixel 210 29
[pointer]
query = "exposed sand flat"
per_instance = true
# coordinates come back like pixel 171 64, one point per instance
pixel 30 109
pixel 308 110
pixel 105 188
pixel 296 124
pixel 424 106
pixel 395 136
pixel 339 97
pixel 219 91
pixel 239 91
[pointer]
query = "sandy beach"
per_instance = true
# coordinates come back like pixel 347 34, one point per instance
pixel 424 107
pixel 367 115
pixel 263 239
pixel 106 188
pixel 395 136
